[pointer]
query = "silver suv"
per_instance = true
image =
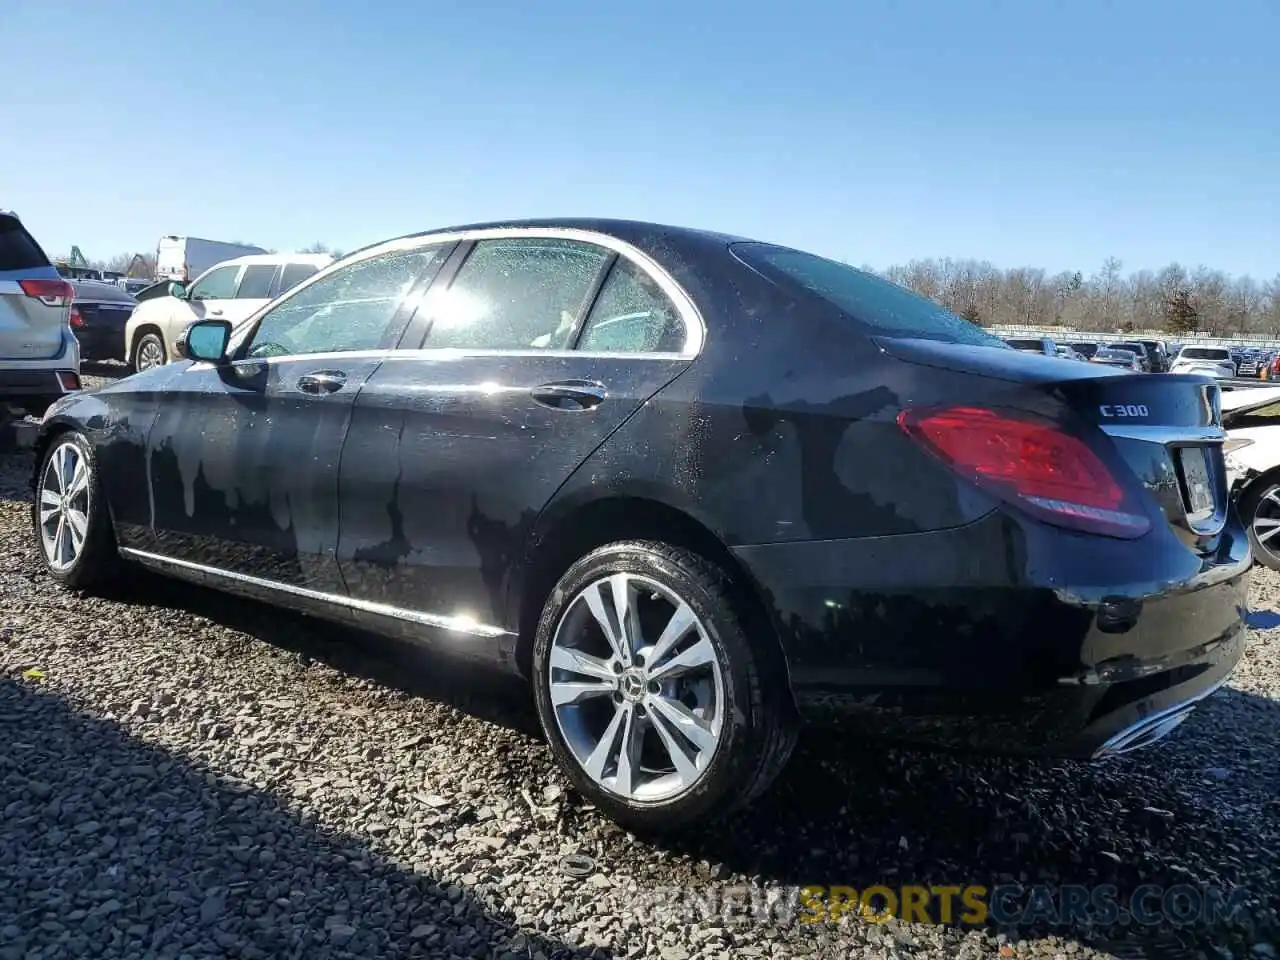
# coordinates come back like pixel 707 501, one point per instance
pixel 39 355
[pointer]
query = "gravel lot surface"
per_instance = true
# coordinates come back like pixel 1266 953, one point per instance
pixel 187 775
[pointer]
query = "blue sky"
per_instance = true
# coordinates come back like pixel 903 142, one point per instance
pixel 1037 132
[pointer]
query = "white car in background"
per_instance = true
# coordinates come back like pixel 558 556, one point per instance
pixel 233 290
pixel 1252 451
pixel 1210 361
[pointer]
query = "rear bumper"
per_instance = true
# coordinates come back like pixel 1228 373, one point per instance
pixel 18 385
pixel 101 344
pixel 1004 635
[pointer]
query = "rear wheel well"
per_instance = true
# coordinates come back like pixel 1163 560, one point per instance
pixel 609 521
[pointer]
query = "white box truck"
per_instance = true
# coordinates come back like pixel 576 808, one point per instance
pixel 185 258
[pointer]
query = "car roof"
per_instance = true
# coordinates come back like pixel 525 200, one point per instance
pixel 90 290
pixel 315 259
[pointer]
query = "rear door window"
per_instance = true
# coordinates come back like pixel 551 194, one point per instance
pixel 516 294
pixel 884 307
pixel 18 249
pixel 256 282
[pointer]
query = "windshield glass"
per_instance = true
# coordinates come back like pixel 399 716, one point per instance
pixel 887 308
pixel 1203 353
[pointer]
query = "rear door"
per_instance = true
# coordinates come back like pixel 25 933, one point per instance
pixel 454 449
pixel 31 320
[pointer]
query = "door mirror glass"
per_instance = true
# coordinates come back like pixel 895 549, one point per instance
pixel 207 340
pixel 178 290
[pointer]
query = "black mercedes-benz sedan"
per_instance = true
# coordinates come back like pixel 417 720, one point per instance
pixel 697 489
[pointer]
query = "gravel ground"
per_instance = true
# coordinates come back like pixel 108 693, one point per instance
pixel 186 775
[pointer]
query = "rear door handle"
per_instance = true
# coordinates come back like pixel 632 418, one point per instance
pixel 216 313
pixel 570 394
pixel 322 381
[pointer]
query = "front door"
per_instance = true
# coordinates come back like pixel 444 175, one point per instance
pixel 455 449
pixel 244 457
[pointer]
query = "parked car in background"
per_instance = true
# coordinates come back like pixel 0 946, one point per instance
pixel 99 314
pixel 1249 363
pixel 1085 350
pixel 1137 348
pixel 39 356
pixel 1157 355
pixel 1042 345
pixel 1209 361
pixel 1252 451
pixel 1067 353
pixel 230 291
pixel 1110 357
pixel 480 439
pixel 185 258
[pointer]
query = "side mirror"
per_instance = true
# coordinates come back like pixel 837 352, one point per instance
pixel 178 289
pixel 207 340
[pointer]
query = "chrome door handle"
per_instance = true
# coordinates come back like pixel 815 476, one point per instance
pixel 322 381
pixel 570 394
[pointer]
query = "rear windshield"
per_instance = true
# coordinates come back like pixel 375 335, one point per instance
pixel 1026 344
pixel 886 307
pixel 109 292
pixel 18 250
pixel 1135 347
pixel 1203 353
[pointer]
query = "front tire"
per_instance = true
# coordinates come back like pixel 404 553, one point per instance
pixel 69 515
pixel 149 353
pixel 656 701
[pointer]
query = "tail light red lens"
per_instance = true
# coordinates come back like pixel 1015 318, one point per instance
pixel 53 293
pixel 69 380
pixel 1032 463
pixel 77 321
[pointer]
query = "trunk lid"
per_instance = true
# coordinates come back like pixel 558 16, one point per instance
pixel 1166 428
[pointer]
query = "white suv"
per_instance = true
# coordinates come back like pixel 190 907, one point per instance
pixel 39 355
pixel 232 290
pixel 1210 361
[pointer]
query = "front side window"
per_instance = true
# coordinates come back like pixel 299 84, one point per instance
pixel 632 314
pixel 256 282
pixel 883 306
pixel 516 294
pixel 217 284
pixel 351 309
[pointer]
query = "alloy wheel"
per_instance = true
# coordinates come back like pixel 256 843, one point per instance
pixel 1266 521
pixel 150 354
pixel 64 506
pixel 637 688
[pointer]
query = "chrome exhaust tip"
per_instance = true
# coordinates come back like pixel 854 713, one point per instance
pixel 1150 729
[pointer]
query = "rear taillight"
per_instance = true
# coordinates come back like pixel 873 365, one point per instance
pixel 53 293
pixel 1030 462
pixel 77 321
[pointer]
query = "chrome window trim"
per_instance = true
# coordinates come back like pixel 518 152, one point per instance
pixel 1165 434
pixel 456 624
pixel 695 328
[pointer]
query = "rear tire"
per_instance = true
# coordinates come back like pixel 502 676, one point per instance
pixel 70 516
pixel 1259 508
pixel 702 728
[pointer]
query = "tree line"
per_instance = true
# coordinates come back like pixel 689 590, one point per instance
pixel 1174 299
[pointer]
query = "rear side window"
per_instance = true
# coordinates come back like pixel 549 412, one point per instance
pixel 632 315
pixel 294 273
pixel 885 307
pixel 18 249
pixel 256 282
